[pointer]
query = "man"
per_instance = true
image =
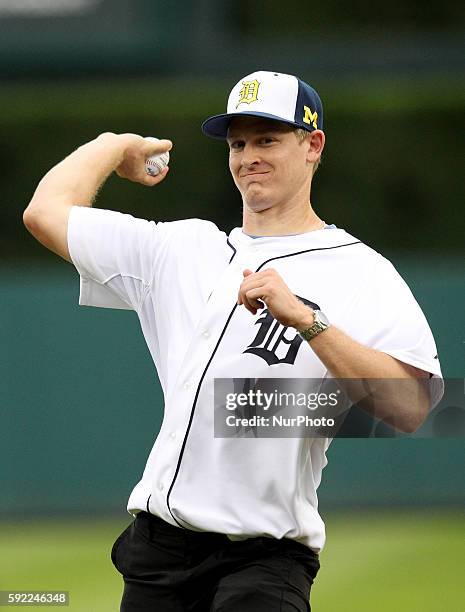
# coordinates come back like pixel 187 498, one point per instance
pixel 228 523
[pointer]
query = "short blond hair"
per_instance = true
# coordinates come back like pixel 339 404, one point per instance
pixel 301 134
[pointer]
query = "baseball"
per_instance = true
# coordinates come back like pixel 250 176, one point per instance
pixel 155 164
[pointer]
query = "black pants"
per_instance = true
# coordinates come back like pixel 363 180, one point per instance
pixel 169 569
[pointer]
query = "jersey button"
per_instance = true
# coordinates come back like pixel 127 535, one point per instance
pixel 206 334
pixel 160 486
pixel 172 435
pixel 186 385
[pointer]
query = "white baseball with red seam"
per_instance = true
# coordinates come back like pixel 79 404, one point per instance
pixel 155 164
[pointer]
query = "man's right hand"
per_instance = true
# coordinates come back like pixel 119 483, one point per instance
pixel 136 150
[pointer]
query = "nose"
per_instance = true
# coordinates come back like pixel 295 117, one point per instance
pixel 250 155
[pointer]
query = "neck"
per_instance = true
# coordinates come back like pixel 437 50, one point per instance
pixel 281 220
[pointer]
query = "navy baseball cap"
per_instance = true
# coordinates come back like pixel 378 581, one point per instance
pixel 271 95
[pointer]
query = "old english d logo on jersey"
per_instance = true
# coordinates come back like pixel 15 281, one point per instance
pixel 249 92
pixel 274 342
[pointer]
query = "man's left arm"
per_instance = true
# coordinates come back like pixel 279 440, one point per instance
pixel 404 405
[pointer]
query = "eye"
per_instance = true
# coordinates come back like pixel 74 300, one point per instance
pixel 236 144
pixel 266 140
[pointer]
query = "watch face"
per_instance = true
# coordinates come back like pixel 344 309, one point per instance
pixel 320 316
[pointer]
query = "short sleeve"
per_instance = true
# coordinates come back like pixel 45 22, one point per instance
pixel 115 255
pixel 389 319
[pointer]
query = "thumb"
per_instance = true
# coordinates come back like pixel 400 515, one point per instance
pixel 247 272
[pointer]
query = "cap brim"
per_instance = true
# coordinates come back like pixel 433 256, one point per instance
pixel 217 126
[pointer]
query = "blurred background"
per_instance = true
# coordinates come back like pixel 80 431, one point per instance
pixel 80 403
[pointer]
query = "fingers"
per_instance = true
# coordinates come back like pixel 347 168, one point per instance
pixel 155 147
pixel 254 300
pixel 136 150
pixel 266 289
pixel 246 273
pixel 139 175
pixel 151 181
pixel 145 147
pixel 251 292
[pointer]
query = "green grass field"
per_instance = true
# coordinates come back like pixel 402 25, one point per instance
pixel 384 561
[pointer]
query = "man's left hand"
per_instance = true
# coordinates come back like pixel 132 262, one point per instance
pixel 267 289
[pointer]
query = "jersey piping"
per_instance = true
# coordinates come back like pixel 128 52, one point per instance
pixel 233 248
pixel 191 418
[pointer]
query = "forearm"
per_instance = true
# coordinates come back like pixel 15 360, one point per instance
pixel 77 179
pixel 346 358
pixel 384 387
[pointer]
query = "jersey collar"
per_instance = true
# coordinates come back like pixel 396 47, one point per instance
pixel 287 244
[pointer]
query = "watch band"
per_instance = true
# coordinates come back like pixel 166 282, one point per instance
pixel 320 323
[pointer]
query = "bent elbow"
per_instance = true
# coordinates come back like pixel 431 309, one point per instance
pixel 49 226
pixel 414 421
pixel 410 427
pixel 36 223
pixel 31 220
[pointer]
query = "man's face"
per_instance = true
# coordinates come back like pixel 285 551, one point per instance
pixel 268 163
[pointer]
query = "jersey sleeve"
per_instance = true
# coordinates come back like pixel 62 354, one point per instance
pixel 115 255
pixel 390 320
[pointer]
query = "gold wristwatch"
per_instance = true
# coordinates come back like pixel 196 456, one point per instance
pixel 320 323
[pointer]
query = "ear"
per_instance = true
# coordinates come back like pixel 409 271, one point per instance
pixel 316 144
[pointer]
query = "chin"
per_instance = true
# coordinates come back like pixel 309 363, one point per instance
pixel 257 202
pixel 257 205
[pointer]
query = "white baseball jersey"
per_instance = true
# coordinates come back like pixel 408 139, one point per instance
pixel 182 279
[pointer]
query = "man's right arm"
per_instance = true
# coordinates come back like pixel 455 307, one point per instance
pixel 77 179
